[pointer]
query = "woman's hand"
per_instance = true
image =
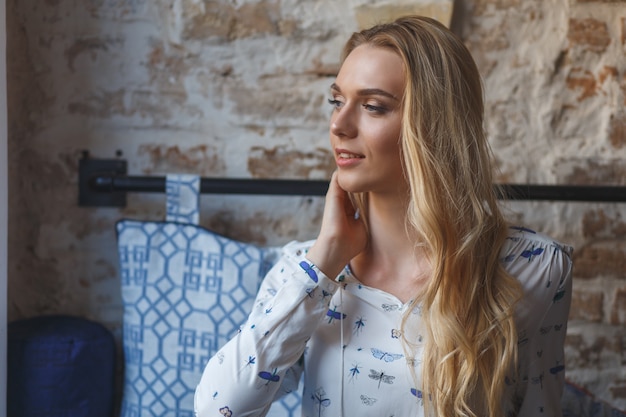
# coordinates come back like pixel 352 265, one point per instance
pixel 342 236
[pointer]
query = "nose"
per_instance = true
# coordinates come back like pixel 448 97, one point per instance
pixel 343 122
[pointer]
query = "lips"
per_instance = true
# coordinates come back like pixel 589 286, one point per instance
pixel 343 154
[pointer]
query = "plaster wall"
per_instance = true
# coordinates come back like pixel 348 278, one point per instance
pixel 238 88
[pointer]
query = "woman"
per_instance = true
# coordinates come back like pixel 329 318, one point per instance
pixel 422 300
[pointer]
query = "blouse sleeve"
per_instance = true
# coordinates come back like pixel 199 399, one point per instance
pixel 245 376
pixel 544 268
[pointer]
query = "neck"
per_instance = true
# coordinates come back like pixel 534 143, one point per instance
pixel 391 261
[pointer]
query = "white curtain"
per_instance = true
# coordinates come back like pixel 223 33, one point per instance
pixel 4 203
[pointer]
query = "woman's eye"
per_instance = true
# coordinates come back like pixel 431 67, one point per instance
pixel 374 109
pixel 334 102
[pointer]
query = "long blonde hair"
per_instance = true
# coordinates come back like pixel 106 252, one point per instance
pixel 468 304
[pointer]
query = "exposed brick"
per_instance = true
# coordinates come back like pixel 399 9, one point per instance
pixel 587 305
pixel 368 15
pixel 591 34
pixel 200 159
pixel 583 81
pixel 596 224
pixel 480 7
pixel 283 162
pixel 618 311
pixel 593 172
pixel 617 130
pixel 222 20
pixel 594 346
pixel 601 259
pixel 587 354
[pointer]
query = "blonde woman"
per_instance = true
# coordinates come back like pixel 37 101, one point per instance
pixel 416 298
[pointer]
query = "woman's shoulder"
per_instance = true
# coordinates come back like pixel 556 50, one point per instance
pixel 536 259
pixel 531 243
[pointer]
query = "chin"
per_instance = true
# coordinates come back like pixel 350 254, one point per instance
pixel 350 183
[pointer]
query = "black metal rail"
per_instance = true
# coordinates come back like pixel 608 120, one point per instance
pixel 104 183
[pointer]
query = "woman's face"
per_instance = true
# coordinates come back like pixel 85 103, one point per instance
pixel 365 126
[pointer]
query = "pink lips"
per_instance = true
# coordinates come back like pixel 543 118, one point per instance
pixel 345 158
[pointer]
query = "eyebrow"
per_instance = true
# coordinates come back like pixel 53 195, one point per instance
pixel 367 92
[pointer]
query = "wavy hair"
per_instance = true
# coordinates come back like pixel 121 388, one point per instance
pixel 468 304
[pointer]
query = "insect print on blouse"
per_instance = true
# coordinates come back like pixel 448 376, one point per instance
pixel 389 307
pixel 309 270
pixel 556 369
pixel 386 356
pixel 319 399
pixel 334 315
pixel 509 258
pixel 225 411
pixel 523 229
pixel 269 377
pixel 354 371
pixel 251 361
pixel 529 253
pixel 413 362
pixel 395 333
pixel 559 295
pixel 381 377
pixel 368 400
pixel 418 394
pixel 358 325
pixel 545 329
pixel 538 380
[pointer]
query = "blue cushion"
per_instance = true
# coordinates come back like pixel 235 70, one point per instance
pixel 186 291
pixel 60 366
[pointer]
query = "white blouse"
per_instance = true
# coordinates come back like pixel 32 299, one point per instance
pixel 301 320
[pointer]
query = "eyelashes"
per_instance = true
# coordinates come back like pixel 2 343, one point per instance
pixel 337 104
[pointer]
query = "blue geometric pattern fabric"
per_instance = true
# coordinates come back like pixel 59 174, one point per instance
pixel 186 291
pixel 182 198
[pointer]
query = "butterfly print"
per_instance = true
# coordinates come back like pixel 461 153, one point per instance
pixel 386 356
pixel 368 400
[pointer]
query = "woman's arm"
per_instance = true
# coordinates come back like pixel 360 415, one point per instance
pixel 245 376
pixel 545 270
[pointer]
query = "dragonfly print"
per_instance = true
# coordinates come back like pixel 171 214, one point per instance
pixel 309 271
pixel 381 377
pixel 530 253
pixel 334 315
pixel 319 397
